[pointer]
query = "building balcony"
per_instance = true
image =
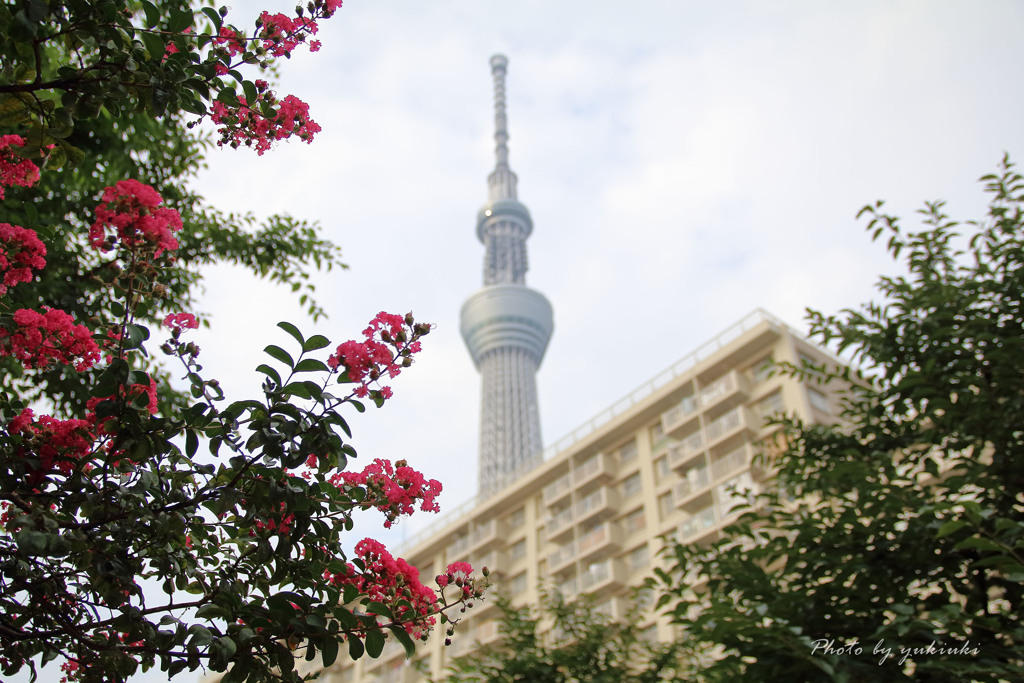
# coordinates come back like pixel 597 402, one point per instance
pixel 736 421
pixel 697 524
pixel 731 385
pixel 559 525
pixel 694 482
pixel 606 575
pixel 604 539
pixel 495 560
pixel 458 550
pixel 558 489
pixel 600 467
pixel 488 534
pixel 600 503
pixel 562 558
pixel 475 635
pixel 689 447
pixel 394 673
pixel 732 462
pixel 680 417
pixel 569 588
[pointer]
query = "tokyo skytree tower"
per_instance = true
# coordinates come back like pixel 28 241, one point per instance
pixel 506 325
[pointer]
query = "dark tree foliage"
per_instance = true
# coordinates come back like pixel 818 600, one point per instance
pixel 581 645
pixel 893 546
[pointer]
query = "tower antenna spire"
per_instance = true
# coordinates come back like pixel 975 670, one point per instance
pixel 502 182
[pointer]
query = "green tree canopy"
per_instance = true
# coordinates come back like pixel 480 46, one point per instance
pixel 570 642
pixel 892 547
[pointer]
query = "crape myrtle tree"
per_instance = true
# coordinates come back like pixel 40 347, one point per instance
pixel 108 478
pixel 563 641
pixel 893 545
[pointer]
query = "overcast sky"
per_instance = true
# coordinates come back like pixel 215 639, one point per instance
pixel 684 164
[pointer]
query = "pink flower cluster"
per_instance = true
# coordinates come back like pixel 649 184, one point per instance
pixel 181 321
pixel 42 338
pixel 394 490
pixel 393 582
pixel 14 170
pixel 458 574
pixel 264 122
pixel 280 34
pixel 367 360
pixel 58 444
pixel 21 252
pixel 133 210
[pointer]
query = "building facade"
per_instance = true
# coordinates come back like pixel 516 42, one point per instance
pixel 672 458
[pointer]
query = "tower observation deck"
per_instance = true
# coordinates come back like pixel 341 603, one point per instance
pixel 505 324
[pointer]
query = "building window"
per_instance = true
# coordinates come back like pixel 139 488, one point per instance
pixel 657 433
pixel 518 550
pixel 632 485
pixel 771 405
pixel 639 558
pixel 662 469
pixel 517 518
pixel 818 400
pixel 763 369
pixel 665 505
pixel 635 521
pixel 628 451
pixel 518 584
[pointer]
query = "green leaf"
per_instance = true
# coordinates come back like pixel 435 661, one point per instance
pixel 251 95
pixel 292 330
pixel 375 643
pixel 279 354
pixel 355 647
pixel 329 650
pixel 180 20
pixel 317 341
pixel 951 527
pixel 214 17
pixel 402 636
pixel 311 365
pixel 155 45
pixel 269 372
pixel 152 14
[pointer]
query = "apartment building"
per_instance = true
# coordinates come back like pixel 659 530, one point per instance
pixel 672 458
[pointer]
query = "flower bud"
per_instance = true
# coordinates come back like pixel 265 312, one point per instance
pixel 406 362
pixel 401 337
pixel 409 320
pixel 385 335
pixel 421 329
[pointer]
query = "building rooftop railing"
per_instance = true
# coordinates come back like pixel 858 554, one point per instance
pixel 680 367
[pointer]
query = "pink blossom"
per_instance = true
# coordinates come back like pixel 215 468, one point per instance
pixel 42 338
pixel 393 489
pixel 13 169
pixel 263 122
pixel 181 321
pixel 133 210
pixel 21 252
pixel 393 582
pixel 57 444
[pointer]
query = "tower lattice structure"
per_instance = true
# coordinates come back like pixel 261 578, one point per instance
pixel 505 324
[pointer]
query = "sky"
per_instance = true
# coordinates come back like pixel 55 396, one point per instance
pixel 684 163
